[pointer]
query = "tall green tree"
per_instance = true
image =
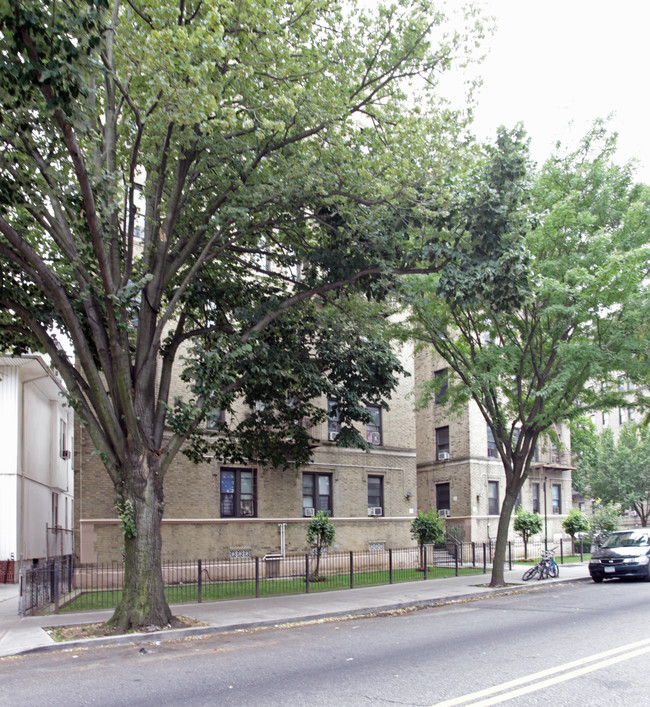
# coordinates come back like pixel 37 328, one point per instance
pixel 618 471
pixel 217 190
pixel 583 442
pixel 527 367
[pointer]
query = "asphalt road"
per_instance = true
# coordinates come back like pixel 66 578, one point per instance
pixel 576 644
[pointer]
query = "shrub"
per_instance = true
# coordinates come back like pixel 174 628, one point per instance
pixel 527 524
pixel 321 534
pixel 576 522
pixel 427 528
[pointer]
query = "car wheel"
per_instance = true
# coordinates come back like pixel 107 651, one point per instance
pixel 647 575
pixel 598 580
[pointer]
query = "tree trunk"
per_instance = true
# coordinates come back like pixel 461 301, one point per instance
pixel 143 600
pixel 499 560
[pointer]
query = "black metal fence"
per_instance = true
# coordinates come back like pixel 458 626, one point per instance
pixel 62 586
pixel 43 586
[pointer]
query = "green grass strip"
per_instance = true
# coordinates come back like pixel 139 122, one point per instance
pixel 245 589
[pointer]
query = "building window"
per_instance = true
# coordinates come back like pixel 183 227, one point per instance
pixel 333 424
pixel 442 379
pixel 443 498
pixel 605 418
pixel 493 498
pixel 442 443
pixel 215 419
pixel 316 493
pixel 376 493
pixel 55 510
pixel 63 432
pixel 373 428
pixel 631 414
pixel 556 496
pixel 555 454
pixel 535 498
pixel 621 415
pixel 491 444
pixel 238 493
pixel 518 500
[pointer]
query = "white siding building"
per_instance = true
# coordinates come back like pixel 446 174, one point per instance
pixel 36 475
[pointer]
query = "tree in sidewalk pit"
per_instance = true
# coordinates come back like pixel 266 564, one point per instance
pixel 526 365
pixel 320 534
pixel 618 471
pixel 605 520
pixel 226 191
pixel 576 523
pixel 427 528
pixel 527 524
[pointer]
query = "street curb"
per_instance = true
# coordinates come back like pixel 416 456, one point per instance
pixel 156 637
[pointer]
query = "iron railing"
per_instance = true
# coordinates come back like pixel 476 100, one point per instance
pixel 62 586
pixel 44 586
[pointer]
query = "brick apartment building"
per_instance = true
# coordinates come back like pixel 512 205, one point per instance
pixel 221 511
pixel 459 472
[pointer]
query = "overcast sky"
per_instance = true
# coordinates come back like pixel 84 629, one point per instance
pixel 558 62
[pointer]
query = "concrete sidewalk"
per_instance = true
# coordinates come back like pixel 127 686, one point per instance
pixel 25 634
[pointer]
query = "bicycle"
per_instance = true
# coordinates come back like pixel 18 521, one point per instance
pixel 546 567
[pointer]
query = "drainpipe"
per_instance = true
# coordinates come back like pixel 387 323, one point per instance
pixel 283 532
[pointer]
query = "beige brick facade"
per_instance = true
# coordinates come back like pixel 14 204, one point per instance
pixel 469 469
pixel 193 527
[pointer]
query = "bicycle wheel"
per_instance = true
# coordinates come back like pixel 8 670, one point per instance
pixel 543 571
pixel 530 573
pixel 554 571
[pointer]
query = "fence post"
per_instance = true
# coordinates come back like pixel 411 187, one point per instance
pixel 456 557
pixel 425 563
pixel 351 570
pixel 21 587
pixel 561 552
pixel 50 577
pixel 57 576
pixel 509 555
pixel 307 572
pixel 484 559
pixel 390 566
pixel 257 577
pixel 473 554
pixel 581 557
pixel 199 569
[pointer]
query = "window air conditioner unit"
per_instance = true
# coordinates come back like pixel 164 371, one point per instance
pixel 66 454
pixel 331 436
pixel 377 511
pixel 308 512
pixel 443 513
pixel 443 456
